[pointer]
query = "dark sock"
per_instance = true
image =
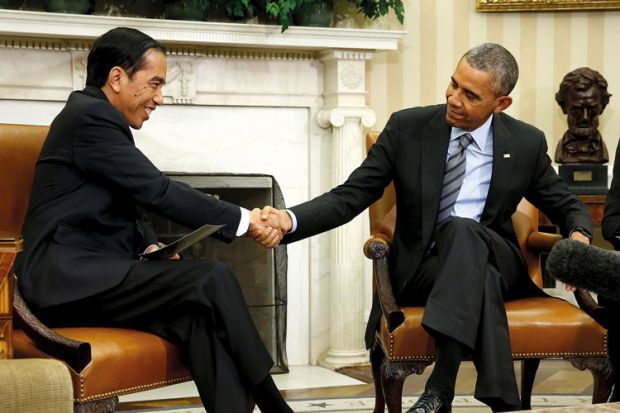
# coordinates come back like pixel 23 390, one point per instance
pixel 449 354
pixel 268 397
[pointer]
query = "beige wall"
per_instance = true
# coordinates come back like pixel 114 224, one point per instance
pixel 547 45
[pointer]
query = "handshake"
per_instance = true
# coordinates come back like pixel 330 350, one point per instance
pixel 268 226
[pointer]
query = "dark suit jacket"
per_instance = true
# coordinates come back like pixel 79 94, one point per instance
pixel 411 151
pixel 83 228
pixel 611 219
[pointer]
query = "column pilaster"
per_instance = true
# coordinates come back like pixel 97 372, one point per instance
pixel 347 114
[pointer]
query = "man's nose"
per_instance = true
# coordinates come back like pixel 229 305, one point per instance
pixel 454 99
pixel 158 98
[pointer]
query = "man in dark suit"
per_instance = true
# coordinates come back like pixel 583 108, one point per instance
pixel 85 228
pixel 454 249
pixel 611 232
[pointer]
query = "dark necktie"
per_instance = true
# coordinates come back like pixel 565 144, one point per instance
pixel 453 178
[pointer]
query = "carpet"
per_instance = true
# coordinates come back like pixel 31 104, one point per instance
pixel 461 404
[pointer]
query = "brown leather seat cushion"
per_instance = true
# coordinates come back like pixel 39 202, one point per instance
pixel 123 361
pixel 539 327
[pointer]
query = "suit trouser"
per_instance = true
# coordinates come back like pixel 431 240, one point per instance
pixel 462 283
pixel 196 304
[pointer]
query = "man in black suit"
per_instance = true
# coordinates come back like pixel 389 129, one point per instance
pixel 611 232
pixel 454 249
pixel 85 228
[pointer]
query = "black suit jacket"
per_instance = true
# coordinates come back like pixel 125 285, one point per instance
pixel 611 219
pixel 411 151
pixel 83 229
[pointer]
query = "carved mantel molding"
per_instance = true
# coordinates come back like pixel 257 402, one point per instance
pixel 16 24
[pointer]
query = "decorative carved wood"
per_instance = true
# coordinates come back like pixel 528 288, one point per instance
pixel 393 374
pixel 98 406
pixel 75 353
pixel 602 373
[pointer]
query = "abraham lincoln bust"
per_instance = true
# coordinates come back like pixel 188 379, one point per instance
pixel 582 96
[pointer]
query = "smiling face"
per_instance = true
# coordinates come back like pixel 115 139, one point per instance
pixel 470 98
pixel 136 96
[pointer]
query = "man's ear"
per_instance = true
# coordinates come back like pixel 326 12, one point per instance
pixel 503 103
pixel 114 78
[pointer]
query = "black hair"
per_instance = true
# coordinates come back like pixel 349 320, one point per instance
pixel 123 47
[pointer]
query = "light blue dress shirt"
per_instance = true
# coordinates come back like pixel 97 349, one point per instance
pixel 478 169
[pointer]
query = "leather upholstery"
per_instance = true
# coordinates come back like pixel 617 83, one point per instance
pixel 540 327
pixel 19 149
pixel 122 361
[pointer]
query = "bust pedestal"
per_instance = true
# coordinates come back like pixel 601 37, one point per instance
pixel 585 179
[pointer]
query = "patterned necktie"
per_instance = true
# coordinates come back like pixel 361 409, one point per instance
pixel 453 178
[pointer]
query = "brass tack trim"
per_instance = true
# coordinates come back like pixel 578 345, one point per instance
pixel 126 390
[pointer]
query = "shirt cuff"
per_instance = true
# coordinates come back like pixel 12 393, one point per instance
pixel 244 222
pixel 293 220
pixel 584 231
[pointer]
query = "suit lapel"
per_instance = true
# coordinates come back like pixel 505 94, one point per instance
pixel 502 168
pixel 433 147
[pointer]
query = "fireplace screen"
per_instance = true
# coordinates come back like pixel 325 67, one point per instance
pixel 261 272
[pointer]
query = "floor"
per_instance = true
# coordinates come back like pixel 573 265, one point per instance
pixel 559 387
pixel 557 384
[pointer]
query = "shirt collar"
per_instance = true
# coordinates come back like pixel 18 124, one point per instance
pixel 480 135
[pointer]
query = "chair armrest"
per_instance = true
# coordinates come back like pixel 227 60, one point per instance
pixel 75 353
pixel 542 242
pixel 377 249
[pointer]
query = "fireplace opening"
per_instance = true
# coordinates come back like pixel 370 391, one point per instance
pixel 261 272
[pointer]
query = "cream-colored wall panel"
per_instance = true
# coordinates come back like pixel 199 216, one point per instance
pixel 595 35
pixel 543 81
pixel 477 25
pixel 578 41
pixel 447 21
pixel 408 76
pixel 428 49
pixel 511 40
pixel 527 71
pixel 611 71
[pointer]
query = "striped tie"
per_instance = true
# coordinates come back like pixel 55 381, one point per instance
pixel 453 178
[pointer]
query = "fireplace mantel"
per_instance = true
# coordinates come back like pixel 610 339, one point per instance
pixel 235 92
pixel 40 25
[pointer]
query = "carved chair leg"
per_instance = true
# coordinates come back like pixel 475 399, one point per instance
pixel 393 376
pixel 98 406
pixel 376 357
pixel 529 367
pixel 602 373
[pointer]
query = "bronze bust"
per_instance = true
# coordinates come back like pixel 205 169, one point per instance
pixel 582 96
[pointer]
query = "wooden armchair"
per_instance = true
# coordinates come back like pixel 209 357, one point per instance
pixel 540 327
pixel 103 362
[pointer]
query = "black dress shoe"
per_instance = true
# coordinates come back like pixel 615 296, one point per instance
pixel 430 402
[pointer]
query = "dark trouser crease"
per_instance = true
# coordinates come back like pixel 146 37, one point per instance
pixel 465 302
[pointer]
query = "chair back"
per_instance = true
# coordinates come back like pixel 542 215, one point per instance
pixel 525 221
pixel 20 146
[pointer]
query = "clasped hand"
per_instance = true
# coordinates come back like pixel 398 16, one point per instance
pixel 268 226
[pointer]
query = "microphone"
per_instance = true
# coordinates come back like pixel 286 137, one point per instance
pixel 586 266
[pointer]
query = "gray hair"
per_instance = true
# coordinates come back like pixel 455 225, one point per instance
pixel 498 62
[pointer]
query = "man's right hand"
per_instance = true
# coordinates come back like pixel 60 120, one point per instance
pixel 269 213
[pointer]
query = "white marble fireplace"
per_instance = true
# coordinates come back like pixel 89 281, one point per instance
pixel 240 98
